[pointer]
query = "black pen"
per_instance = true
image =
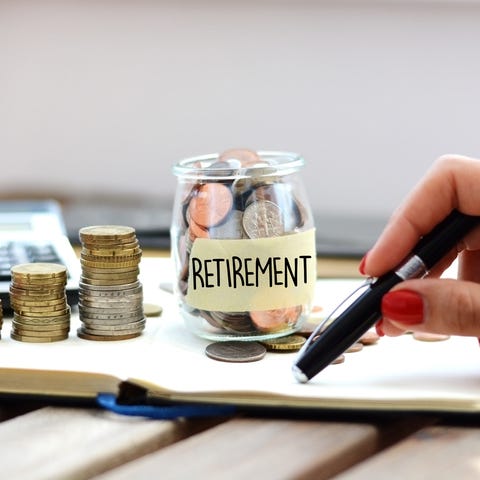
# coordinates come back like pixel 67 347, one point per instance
pixel 325 346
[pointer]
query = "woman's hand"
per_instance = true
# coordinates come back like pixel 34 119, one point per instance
pixel 432 305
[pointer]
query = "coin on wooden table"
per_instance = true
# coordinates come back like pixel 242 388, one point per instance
pixel 211 204
pixel 236 351
pixel 289 343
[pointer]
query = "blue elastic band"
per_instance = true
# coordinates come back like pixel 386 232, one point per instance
pixel 109 402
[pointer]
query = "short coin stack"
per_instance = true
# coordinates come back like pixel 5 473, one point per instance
pixel 40 309
pixel 110 294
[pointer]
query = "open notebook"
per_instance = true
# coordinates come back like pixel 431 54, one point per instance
pixel 396 374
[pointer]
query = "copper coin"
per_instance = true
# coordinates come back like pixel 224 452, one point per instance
pixel 211 204
pixel 274 320
pixel 430 337
pixel 369 338
pixel 338 360
pixel 356 347
pixel 197 231
pixel 236 351
pixel 247 158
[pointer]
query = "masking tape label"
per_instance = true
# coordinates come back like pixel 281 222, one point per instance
pixel 239 275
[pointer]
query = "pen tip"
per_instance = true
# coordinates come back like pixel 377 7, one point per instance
pixel 299 375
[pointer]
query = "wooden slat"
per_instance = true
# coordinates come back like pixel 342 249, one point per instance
pixel 77 443
pixel 255 448
pixel 440 452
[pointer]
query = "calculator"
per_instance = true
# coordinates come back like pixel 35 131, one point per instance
pixel 34 231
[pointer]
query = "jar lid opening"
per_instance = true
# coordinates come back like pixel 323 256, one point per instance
pixel 224 166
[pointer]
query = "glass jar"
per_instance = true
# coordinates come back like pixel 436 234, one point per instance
pixel 243 244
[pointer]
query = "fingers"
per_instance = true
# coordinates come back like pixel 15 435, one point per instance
pixel 452 182
pixel 446 306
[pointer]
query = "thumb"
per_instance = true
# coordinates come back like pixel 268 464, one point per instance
pixel 446 306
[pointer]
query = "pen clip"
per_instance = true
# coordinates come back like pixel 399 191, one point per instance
pixel 328 320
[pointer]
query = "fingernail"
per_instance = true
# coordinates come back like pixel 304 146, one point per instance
pixel 361 267
pixel 379 328
pixel 403 306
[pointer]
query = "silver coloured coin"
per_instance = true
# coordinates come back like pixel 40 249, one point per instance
pixel 236 351
pixel 263 219
pixel 231 228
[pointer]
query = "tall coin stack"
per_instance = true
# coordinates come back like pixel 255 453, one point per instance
pixel 40 309
pixel 110 294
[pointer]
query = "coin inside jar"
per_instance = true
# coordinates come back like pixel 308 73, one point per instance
pixel 211 204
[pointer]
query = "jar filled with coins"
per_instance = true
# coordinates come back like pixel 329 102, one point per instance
pixel 243 244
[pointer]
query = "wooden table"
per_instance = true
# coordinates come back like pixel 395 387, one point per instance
pixel 56 442
pixel 40 441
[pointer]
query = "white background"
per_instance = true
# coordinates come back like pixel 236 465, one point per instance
pixel 104 96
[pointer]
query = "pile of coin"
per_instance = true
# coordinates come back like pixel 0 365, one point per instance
pixel 240 351
pixel 110 293
pixel 230 203
pixel 1 317
pixel 39 302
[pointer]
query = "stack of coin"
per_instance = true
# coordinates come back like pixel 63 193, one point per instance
pixel 110 294
pixel 1 317
pixel 39 303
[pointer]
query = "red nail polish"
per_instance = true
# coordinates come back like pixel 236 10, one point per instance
pixel 403 306
pixel 361 267
pixel 379 328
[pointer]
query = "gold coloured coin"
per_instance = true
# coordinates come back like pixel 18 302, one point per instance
pixel 106 232
pixel 28 332
pixel 31 339
pixel 105 338
pixel 288 343
pixel 41 328
pixel 152 310
pixel 53 320
pixel 16 301
pixel 32 295
pixel 42 314
pixel 113 252
pixel 111 281
pixel 39 270
pixel 100 265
